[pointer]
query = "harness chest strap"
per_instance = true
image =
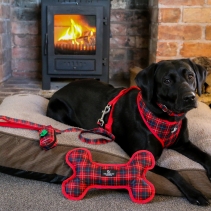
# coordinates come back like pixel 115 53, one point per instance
pixel 112 103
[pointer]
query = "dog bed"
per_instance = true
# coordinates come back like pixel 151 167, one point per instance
pixel 21 155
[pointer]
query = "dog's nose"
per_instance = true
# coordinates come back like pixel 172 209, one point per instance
pixel 190 96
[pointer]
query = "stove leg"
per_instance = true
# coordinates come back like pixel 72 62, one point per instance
pixel 104 78
pixel 46 82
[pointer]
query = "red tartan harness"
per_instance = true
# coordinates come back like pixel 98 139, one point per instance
pixel 165 131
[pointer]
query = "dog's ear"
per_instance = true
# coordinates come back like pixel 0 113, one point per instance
pixel 145 80
pixel 201 74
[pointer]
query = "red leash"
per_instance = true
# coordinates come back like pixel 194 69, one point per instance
pixel 48 133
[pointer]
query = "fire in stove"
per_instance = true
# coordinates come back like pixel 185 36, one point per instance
pixel 75 34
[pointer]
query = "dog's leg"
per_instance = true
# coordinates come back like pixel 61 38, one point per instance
pixel 193 196
pixel 194 153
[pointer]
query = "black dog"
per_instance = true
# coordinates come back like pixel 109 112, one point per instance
pixel 167 89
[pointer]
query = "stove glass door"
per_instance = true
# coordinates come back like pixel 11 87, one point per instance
pixel 75 34
pixel 75 39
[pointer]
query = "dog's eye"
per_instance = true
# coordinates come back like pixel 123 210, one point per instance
pixel 167 81
pixel 190 76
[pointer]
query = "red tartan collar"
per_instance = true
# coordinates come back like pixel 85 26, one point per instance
pixel 169 112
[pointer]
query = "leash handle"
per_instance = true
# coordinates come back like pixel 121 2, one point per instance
pixel 17 123
pixel 47 133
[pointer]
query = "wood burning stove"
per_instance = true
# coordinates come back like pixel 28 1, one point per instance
pixel 75 39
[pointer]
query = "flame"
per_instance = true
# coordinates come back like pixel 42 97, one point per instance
pixel 73 32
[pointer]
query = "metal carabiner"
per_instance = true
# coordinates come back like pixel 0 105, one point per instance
pixel 104 112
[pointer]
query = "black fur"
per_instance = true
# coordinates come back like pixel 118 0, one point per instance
pixel 171 83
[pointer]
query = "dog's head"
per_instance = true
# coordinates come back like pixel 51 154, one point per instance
pixel 172 83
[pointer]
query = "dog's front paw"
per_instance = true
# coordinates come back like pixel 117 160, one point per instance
pixel 197 198
pixel 207 166
pixel 209 175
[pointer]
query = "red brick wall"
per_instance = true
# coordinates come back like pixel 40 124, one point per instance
pixel 5 44
pixel 129 44
pixel 26 39
pixel 180 29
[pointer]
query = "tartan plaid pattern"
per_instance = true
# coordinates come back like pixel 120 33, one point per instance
pixel 49 141
pixel 99 131
pixel 166 132
pixel 18 123
pixel 88 174
pixel 169 112
pixel 46 142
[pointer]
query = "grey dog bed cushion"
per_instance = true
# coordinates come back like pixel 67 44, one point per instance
pixel 21 155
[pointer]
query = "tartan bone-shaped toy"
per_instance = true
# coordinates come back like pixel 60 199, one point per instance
pixel 88 174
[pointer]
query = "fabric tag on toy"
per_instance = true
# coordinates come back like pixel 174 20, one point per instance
pixel 108 173
pixel 88 174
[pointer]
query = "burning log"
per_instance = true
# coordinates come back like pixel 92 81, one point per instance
pixel 85 44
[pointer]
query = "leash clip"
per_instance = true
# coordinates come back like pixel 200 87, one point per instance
pixel 104 112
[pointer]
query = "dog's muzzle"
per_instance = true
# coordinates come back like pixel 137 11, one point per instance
pixel 188 97
pixel 189 100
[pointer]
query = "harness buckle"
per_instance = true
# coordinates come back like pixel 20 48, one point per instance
pixel 174 130
pixel 164 108
pixel 104 112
